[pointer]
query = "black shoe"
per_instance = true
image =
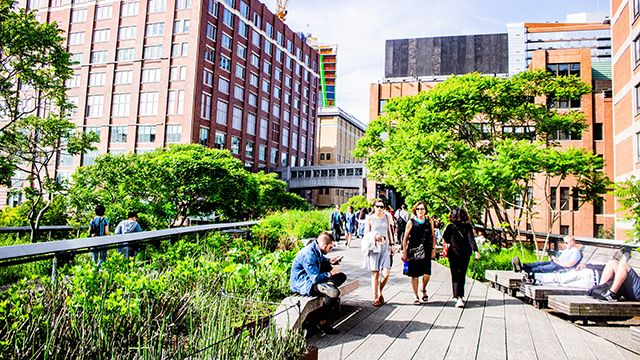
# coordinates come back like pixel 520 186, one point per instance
pixel 528 279
pixel 517 266
pixel 609 296
pixel 326 329
pixel 329 289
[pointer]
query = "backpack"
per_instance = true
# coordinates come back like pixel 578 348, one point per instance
pixel 94 227
pixel 401 223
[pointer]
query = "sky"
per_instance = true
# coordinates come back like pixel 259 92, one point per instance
pixel 360 28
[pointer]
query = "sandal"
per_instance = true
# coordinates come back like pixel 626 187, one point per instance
pixel 377 303
pixel 381 299
pixel 425 298
pixel 416 301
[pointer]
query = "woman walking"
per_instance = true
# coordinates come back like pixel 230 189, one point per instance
pixel 350 225
pixel 459 235
pixel 377 248
pixel 418 249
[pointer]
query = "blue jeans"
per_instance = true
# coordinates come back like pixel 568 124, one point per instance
pixel 542 267
pixel 99 256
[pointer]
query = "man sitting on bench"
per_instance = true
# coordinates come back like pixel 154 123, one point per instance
pixel 584 276
pixel 626 282
pixel 569 258
pixel 313 274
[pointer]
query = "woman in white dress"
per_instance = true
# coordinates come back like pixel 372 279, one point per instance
pixel 377 248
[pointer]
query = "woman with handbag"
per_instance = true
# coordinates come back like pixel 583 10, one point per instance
pixel 377 248
pixel 459 236
pixel 419 248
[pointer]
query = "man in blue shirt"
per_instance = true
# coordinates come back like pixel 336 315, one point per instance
pixel 314 274
pixel 337 219
pixel 569 259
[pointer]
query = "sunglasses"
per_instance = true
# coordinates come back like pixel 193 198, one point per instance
pixel 380 206
pixel 421 209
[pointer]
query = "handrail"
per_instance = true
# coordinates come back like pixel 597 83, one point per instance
pixel 14 229
pixel 18 254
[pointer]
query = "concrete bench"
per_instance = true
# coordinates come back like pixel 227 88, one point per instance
pixel 587 308
pixel 538 294
pixel 506 281
pixel 290 316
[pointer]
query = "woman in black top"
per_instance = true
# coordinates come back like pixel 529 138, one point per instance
pixel 459 236
pixel 419 231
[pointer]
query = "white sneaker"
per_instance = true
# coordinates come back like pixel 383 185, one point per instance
pixel 459 303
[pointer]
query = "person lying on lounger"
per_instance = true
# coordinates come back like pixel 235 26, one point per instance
pixel 569 258
pixel 584 276
pixel 626 282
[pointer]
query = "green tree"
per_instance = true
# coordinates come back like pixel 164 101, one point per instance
pixel 479 141
pixel 628 195
pixel 358 202
pixel 273 195
pixel 34 145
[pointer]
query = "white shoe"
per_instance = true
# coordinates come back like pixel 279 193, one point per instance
pixel 459 303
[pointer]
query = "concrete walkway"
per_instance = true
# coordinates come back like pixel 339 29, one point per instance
pixel 493 325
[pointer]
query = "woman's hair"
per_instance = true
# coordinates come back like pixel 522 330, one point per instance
pixel 415 206
pixel 350 208
pixel 458 214
pixel 379 201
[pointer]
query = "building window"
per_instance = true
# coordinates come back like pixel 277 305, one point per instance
pixel 553 197
pixel 76 38
pixel 265 86
pixel 156 6
pixel 264 128
pixel 204 136
pixel 257 19
pixel 183 4
pixel 236 118
pixel 127 32
pixel 99 57
pixel 148 104
pixel 152 52
pixel 226 41
pixel 225 63
pixel 103 12
pixel 283 159
pixel 220 140
pixel 636 49
pixel 123 77
pixel 125 54
pixel 564 198
pixel 180 49
pixel 223 85
pixel 94 105
pixel 255 60
pixel 174 134
pixel 265 105
pixel 129 8
pixel 553 103
pixel 294 141
pixel 575 194
pixel 248 149
pixel 146 134
pixel 255 39
pixel 303 144
pixel 118 134
pixel 285 137
pixel 262 153
pixel 244 9
pixel 274 156
pixel 565 135
pixel 209 54
pixel 212 7
pixel 253 79
pixel 150 75
pixel 227 18
pixel 207 77
pixel 205 107
pixel 564 69
pixel 243 29
pixel 221 112
pixel 154 29
pixel 176 102
pixel 266 67
pixel 242 52
pixel 76 58
pixel 638 147
pixel 251 124
pixel 97 79
pixel 120 107
pixel 235 145
pixel 240 71
pixel 78 15
pixel 238 92
pixel 253 99
pixel 178 73
pixel 181 26
pixel 275 133
pixel 211 31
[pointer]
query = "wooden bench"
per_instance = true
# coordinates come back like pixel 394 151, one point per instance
pixel 538 294
pixel 291 316
pixel 506 281
pixel 587 308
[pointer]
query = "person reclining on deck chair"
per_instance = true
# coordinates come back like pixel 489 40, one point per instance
pixel 584 276
pixel 625 282
pixel 313 274
pixel 569 258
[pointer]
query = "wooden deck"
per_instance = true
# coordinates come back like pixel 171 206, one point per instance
pixel 493 325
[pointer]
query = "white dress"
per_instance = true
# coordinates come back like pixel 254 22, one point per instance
pixel 376 256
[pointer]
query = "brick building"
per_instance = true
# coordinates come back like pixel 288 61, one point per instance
pixel 225 74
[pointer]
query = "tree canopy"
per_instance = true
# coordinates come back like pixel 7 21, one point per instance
pixel 479 141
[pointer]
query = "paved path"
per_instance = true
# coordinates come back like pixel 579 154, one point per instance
pixel 493 325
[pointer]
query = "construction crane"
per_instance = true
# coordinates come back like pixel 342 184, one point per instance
pixel 281 10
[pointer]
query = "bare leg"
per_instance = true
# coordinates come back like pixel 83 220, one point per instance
pixel 414 286
pixel 621 275
pixel 375 284
pixel 425 281
pixel 609 271
pixel 385 278
pixel 348 238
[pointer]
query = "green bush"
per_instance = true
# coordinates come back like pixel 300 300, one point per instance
pixel 358 202
pixel 494 258
pixel 283 230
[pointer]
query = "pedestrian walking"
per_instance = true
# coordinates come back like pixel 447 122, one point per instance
pixel 377 248
pixel 130 225
pixel 337 218
pixel 350 225
pixel 459 235
pixel 99 226
pixel 418 249
pixel 402 218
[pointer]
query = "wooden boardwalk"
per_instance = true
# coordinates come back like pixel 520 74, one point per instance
pixel 493 325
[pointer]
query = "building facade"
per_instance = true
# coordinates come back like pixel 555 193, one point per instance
pixel 225 74
pixel 328 69
pixel 625 28
pixel 338 132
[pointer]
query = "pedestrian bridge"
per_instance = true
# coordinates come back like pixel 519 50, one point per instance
pixel 350 176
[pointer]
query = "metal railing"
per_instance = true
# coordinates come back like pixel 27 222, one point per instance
pixel 63 249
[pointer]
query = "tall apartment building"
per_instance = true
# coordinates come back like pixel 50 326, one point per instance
pixel 625 28
pixel 338 132
pixel 328 64
pixel 226 74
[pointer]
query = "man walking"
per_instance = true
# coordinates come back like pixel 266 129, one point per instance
pixel 130 225
pixel 337 218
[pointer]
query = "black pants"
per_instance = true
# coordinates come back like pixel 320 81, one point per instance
pixel 330 304
pixel 458 266
pixel 337 232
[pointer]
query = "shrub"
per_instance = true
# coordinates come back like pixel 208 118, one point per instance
pixel 358 202
pixel 283 230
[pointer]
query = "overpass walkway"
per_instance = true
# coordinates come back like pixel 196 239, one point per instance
pixel 493 325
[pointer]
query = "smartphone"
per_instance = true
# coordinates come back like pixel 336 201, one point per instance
pixel 338 260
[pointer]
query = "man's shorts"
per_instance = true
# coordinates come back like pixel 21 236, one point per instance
pixel 630 288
